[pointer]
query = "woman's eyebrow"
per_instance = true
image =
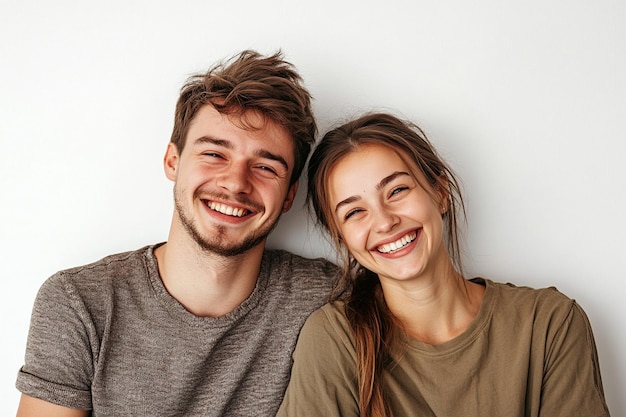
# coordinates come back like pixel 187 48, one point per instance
pixel 390 178
pixel 347 201
pixel 380 185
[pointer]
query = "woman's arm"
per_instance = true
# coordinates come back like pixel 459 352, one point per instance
pixel 572 385
pixel 323 381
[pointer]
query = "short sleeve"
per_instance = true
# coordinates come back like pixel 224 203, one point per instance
pixel 572 385
pixel 323 381
pixel 58 364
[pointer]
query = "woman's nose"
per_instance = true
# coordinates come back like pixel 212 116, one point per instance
pixel 384 220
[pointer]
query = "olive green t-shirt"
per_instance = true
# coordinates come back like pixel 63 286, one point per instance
pixel 527 353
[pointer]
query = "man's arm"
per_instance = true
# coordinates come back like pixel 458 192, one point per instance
pixel 34 407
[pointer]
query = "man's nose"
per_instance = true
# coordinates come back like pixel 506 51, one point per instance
pixel 235 178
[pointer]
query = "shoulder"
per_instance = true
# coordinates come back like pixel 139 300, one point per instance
pixel 299 270
pixel 329 322
pixel 100 274
pixel 299 264
pixel 117 263
pixel 520 296
pixel 547 307
pixel 294 284
pixel 325 346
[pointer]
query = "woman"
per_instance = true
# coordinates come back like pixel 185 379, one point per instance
pixel 409 335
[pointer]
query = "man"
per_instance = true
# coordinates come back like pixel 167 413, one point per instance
pixel 205 323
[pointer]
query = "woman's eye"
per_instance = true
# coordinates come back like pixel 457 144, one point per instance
pixel 351 213
pixel 398 190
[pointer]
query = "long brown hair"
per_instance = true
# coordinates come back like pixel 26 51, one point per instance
pixel 375 328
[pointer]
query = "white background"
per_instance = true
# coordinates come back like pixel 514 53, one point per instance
pixel 526 100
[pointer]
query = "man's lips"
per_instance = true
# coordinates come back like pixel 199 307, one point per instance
pixel 398 244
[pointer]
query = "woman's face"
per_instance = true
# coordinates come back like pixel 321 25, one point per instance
pixel 387 220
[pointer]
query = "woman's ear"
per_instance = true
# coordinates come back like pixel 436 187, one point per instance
pixel 444 204
pixel 443 194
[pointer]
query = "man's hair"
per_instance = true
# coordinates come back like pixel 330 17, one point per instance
pixel 267 85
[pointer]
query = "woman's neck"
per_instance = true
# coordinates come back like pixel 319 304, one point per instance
pixel 434 310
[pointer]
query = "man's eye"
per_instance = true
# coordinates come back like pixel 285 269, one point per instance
pixel 266 171
pixel 212 154
pixel 267 168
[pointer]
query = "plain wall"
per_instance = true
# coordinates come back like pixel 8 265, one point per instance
pixel 526 100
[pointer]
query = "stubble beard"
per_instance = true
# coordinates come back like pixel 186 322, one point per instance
pixel 217 244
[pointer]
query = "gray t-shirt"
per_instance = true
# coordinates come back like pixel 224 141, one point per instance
pixel 109 337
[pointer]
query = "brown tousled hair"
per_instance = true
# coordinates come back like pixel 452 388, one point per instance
pixel 268 85
pixel 375 328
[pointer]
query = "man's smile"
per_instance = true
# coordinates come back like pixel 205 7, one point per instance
pixel 226 209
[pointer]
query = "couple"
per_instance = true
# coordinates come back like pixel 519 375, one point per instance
pixel 206 323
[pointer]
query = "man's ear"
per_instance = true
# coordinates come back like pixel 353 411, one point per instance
pixel 291 195
pixel 170 161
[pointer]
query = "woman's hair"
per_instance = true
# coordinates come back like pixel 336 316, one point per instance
pixel 249 81
pixel 374 326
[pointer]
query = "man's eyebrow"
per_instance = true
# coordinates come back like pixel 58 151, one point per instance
pixel 215 141
pixel 380 185
pixel 263 153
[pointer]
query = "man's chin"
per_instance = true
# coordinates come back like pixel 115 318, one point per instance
pixel 217 244
pixel 230 250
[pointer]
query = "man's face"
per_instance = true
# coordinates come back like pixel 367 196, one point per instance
pixel 231 183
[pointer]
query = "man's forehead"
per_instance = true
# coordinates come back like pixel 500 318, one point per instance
pixel 228 129
pixel 245 119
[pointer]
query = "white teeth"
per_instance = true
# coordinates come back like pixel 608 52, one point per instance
pixel 398 244
pixel 228 210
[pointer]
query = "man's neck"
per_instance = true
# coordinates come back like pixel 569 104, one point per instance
pixel 206 284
